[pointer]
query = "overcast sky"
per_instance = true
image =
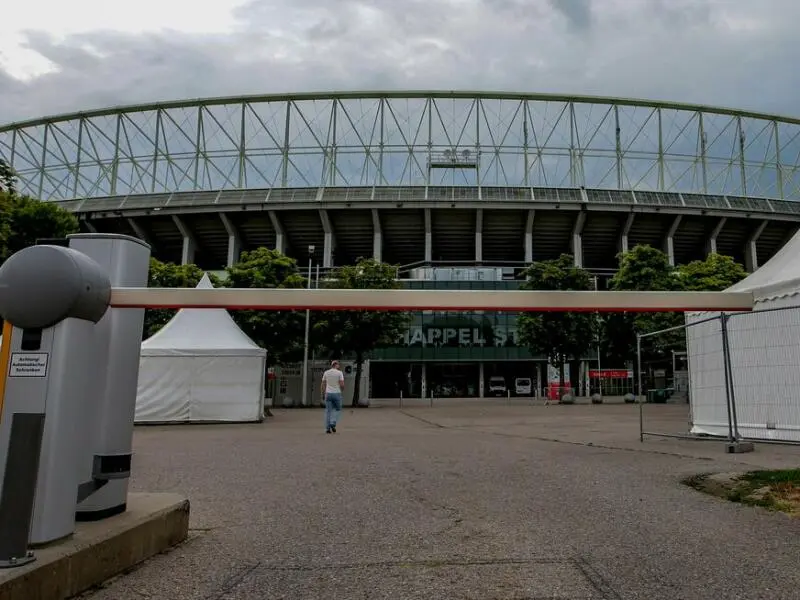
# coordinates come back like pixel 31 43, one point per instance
pixel 66 56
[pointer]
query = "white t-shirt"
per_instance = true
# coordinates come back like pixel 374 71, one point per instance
pixel 334 381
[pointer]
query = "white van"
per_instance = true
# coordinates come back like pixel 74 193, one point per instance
pixel 523 386
pixel 497 385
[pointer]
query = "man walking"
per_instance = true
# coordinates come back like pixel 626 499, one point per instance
pixel 332 388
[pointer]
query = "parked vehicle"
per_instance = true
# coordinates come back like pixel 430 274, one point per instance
pixel 523 386
pixel 497 386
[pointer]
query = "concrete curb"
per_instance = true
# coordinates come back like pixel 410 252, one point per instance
pixel 98 551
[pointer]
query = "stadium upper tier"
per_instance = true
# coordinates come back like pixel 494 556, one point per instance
pixel 396 139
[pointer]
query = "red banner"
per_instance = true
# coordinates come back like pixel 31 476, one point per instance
pixel 611 374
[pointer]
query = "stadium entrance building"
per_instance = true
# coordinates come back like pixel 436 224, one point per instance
pixel 458 354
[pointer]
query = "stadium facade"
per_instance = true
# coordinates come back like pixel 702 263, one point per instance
pixel 462 189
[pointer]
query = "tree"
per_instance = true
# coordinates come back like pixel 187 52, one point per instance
pixel 643 268
pixel 24 220
pixel 358 332
pixel 8 178
pixel 647 268
pixel 169 275
pixel 279 332
pixel 714 274
pixel 561 336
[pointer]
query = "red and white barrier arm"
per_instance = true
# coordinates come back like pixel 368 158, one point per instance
pixel 441 300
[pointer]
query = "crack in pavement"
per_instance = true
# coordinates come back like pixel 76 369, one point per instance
pixel 474 429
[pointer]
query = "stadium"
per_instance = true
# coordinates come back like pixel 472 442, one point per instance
pixel 460 189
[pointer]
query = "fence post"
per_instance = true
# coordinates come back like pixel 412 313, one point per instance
pixel 735 445
pixel 723 318
pixel 639 390
pixel 401 398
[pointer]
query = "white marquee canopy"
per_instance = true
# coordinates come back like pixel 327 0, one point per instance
pixel 201 367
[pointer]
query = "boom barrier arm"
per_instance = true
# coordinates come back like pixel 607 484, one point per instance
pixel 441 300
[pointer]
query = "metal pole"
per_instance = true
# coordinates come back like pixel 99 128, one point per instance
pixel 599 370
pixel 305 339
pixel 639 390
pixel 728 375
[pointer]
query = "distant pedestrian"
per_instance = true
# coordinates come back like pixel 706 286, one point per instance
pixel 332 388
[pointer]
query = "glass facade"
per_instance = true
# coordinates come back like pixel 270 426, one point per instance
pixel 458 336
pixel 465 355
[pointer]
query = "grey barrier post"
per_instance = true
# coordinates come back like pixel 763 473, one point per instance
pixel 52 297
pixel 105 477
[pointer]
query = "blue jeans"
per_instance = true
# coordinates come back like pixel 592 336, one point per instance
pixel 333 407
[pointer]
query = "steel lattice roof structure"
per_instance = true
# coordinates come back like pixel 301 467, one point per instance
pixel 421 176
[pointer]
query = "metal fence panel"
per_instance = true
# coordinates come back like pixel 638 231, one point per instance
pixel 707 386
pixel 765 366
pixel 690 400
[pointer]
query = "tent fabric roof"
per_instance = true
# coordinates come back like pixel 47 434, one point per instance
pixel 778 274
pixel 205 330
pixel 778 278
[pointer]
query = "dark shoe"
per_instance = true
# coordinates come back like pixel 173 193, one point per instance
pixel 333 428
pixel 328 430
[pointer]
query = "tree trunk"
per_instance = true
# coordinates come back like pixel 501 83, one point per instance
pixel 357 379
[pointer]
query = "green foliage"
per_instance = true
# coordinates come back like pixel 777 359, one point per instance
pixel 358 332
pixel 8 178
pixel 643 268
pixel 24 220
pixel 169 275
pixel 714 274
pixel 279 332
pixel 561 336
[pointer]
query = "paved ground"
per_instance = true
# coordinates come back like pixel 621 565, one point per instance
pixel 458 502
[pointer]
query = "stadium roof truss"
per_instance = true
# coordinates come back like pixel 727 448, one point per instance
pixel 368 139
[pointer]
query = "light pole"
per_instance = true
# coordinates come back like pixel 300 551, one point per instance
pixel 599 372
pixel 308 326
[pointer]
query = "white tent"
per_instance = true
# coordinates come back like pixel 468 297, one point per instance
pixel 200 367
pixel 765 356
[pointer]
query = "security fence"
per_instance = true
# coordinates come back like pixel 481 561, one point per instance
pixel 732 376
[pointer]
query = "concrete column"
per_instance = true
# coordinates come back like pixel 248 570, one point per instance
pixel 669 246
pixel 711 244
pixel 481 380
pixel 280 235
pixel 626 230
pixel 189 243
pixel 577 241
pixel 327 247
pixel 377 236
pixel 234 241
pixel 138 231
pixel 479 235
pixel 529 236
pixel 751 250
pixel 428 236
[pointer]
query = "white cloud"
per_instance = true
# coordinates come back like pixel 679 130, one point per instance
pixel 58 57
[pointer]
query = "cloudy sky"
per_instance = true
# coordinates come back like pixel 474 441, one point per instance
pixel 66 56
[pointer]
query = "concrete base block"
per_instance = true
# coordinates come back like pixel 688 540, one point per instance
pixel 99 550
pixel 739 447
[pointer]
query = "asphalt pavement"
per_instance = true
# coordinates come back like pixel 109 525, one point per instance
pixel 480 501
